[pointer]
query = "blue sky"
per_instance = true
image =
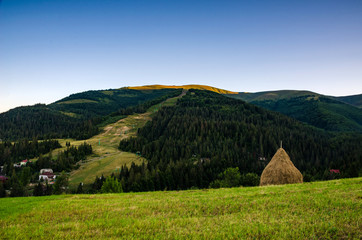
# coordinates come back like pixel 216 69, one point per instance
pixel 50 49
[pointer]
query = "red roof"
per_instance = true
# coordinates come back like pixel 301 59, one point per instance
pixel 3 178
pixel 334 171
pixel 26 160
pixel 47 174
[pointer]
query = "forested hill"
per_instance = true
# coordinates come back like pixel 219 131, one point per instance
pixel 325 112
pixel 191 143
pixel 103 102
pixel 75 116
pixel 355 100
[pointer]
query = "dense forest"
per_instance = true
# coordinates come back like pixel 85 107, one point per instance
pixel 78 115
pixel 14 152
pixel 101 103
pixel 321 112
pixel 325 112
pixel 191 144
pixel 41 122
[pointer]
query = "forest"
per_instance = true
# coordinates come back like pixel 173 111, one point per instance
pixel 79 120
pixel 191 144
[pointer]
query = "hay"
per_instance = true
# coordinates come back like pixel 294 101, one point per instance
pixel 280 170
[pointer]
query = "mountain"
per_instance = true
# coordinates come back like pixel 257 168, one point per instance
pixel 192 143
pixel 78 114
pixel 103 102
pixel 199 87
pixel 75 116
pixel 355 100
pixel 328 113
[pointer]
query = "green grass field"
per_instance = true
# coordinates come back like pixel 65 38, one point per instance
pixel 319 210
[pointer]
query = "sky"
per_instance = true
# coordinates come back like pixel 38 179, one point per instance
pixel 50 49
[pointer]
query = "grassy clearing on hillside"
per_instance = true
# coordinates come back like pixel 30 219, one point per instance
pixel 319 210
pixel 103 165
pixel 107 158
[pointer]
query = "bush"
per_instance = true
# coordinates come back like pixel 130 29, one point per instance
pixel 111 185
pixel 231 177
pixel 250 179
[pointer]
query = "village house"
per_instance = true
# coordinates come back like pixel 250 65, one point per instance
pixel 17 165
pixel 47 175
pixel 46 170
pixel 22 163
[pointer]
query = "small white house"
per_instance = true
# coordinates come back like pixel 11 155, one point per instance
pixel 47 176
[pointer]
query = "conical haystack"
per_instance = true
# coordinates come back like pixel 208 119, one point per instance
pixel 280 170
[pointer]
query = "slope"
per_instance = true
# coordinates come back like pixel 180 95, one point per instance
pixel 319 210
pixel 205 133
pixel 328 113
pixel 355 100
pixel 107 158
pixel 74 116
pixel 104 102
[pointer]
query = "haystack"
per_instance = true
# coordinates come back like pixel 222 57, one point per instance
pixel 280 170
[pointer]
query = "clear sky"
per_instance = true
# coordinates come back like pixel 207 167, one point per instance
pixel 52 48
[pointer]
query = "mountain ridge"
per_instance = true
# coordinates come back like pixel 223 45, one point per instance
pixel 189 86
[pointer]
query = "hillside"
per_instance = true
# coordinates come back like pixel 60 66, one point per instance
pixel 104 102
pixel 194 86
pixel 75 116
pixel 328 113
pixel 355 100
pixel 190 144
pixel 272 95
pixel 319 210
pixel 107 158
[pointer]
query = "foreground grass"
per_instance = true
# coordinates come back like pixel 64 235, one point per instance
pixel 320 210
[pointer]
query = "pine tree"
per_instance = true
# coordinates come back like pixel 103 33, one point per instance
pixel 80 188
pixel 2 190
pixel 38 190
pixel 61 183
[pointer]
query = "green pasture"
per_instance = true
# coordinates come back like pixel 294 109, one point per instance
pixel 318 210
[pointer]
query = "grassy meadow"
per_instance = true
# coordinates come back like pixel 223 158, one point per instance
pixel 318 210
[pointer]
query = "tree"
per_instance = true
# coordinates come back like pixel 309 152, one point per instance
pixel 17 189
pixel 25 176
pixel 231 177
pixel 80 188
pixel 38 190
pixel 111 185
pixel 2 190
pixel 61 183
pixel 48 189
pixel 250 179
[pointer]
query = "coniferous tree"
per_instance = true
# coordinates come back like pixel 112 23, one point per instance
pixel 61 183
pixel 80 189
pixel 38 190
pixel 2 190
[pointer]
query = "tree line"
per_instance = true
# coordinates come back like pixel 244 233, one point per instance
pixel 192 143
pixel 65 161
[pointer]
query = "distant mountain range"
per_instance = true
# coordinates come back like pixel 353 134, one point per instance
pixel 76 114
pixel 325 112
